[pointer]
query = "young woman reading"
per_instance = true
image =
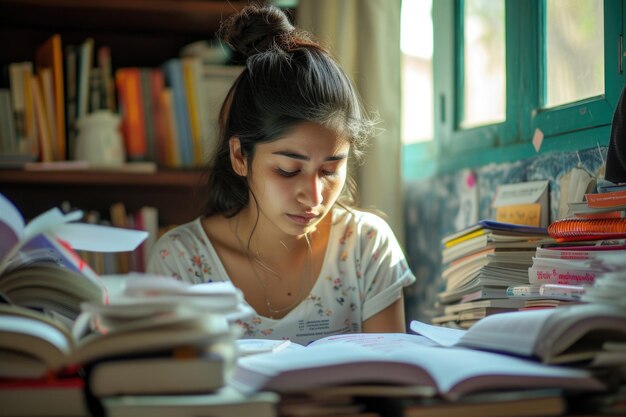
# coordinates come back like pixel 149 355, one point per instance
pixel 279 220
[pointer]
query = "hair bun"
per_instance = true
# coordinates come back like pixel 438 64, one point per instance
pixel 255 29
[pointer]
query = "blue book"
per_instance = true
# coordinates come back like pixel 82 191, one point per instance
pixel 173 71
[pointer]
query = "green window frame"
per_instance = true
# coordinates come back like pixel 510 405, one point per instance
pixel 572 126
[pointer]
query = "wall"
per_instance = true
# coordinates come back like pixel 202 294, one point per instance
pixel 432 208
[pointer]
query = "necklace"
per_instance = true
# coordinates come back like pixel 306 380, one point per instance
pixel 256 259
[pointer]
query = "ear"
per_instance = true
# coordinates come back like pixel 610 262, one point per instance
pixel 238 160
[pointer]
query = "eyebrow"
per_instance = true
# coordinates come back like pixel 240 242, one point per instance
pixel 301 157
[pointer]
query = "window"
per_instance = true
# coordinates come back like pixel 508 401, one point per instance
pixel 506 71
pixel 484 72
pixel 416 44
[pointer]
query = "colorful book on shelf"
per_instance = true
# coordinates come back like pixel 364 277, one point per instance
pixel 172 158
pixel 173 71
pixel 548 335
pixel 399 359
pixel 49 55
pixel 191 80
pixel 128 81
pixel 84 67
pixel 8 133
pixel 44 133
pixel 147 100
pixel 157 85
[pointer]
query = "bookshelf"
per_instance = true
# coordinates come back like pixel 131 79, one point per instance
pixel 140 33
pixel 176 194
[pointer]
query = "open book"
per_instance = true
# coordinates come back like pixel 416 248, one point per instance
pixel 38 266
pixel 399 359
pixel 560 335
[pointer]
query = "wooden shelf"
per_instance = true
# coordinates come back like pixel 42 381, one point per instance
pixel 139 32
pixel 177 194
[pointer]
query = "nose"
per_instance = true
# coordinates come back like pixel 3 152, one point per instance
pixel 311 191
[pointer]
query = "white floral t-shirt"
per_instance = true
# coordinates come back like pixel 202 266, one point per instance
pixel 363 272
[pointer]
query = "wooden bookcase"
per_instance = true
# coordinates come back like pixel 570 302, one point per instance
pixel 177 194
pixel 139 33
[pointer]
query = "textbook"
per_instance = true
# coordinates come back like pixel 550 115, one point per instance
pixel 227 402
pixel 565 334
pixel 46 345
pixel 43 397
pixel 539 403
pixel 173 373
pixel 399 359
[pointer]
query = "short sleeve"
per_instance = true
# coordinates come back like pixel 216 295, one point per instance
pixel 383 265
pixel 182 253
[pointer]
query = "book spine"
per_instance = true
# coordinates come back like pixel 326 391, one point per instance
pixel 174 78
pixel 560 276
pixel 522 291
pixel 567 292
pixel 131 108
pixel 610 199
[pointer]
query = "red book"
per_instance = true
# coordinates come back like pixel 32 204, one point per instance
pixel 610 199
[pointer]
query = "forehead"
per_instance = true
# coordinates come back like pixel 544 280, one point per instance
pixel 310 138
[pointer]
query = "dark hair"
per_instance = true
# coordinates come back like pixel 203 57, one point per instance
pixel 288 79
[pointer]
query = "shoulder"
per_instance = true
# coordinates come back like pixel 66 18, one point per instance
pixel 184 234
pixel 361 222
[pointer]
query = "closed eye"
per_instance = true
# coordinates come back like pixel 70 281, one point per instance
pixel 286 174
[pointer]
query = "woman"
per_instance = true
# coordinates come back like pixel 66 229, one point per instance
pixel 278 221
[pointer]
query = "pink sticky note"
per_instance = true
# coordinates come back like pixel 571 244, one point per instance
pixel 537 139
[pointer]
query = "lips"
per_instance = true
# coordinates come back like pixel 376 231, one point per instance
pixel 303 218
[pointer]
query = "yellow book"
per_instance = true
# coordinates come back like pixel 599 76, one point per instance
pixel 463 238
pixel 29 109
pixel 172 151
pixel 50 55
pixel 41 118
pixel 192 105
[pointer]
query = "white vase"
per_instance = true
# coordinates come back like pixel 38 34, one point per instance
pixel 99 140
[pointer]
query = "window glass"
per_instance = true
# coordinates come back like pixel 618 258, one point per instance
pixel 484 70
pixel 574 50
pixel 416 42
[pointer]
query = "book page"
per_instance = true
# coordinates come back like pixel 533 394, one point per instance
pixel 443 336
pixel 516 332
pixel 399 360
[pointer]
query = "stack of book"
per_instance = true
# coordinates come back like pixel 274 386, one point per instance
pixel 590 248
pixel 562 273
pixel 479 264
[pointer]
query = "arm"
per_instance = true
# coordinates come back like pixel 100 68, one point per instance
pixel 389 320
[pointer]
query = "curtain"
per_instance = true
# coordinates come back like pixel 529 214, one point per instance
pixel 364 36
